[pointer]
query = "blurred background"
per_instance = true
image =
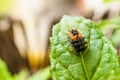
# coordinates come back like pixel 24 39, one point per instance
pixel 25 28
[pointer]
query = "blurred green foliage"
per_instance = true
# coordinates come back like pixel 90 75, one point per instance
pixel 4 73
pixel 6 5
pixel 23 74
pixel 41 75
pixel 111 28
pixel 108 1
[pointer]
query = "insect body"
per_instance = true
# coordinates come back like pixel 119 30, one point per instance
pixel 77 40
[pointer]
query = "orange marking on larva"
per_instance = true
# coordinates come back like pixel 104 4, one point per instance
pixel 80 35
pixel 72 37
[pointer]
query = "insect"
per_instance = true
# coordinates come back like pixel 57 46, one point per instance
pixel 77 40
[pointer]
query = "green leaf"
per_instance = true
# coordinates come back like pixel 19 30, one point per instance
pixel 115 76
pixel 119 60
pixel 97 62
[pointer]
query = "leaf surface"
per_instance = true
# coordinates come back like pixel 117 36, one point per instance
pixel 95 63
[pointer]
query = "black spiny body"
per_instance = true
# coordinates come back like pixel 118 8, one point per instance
pixel 77 40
